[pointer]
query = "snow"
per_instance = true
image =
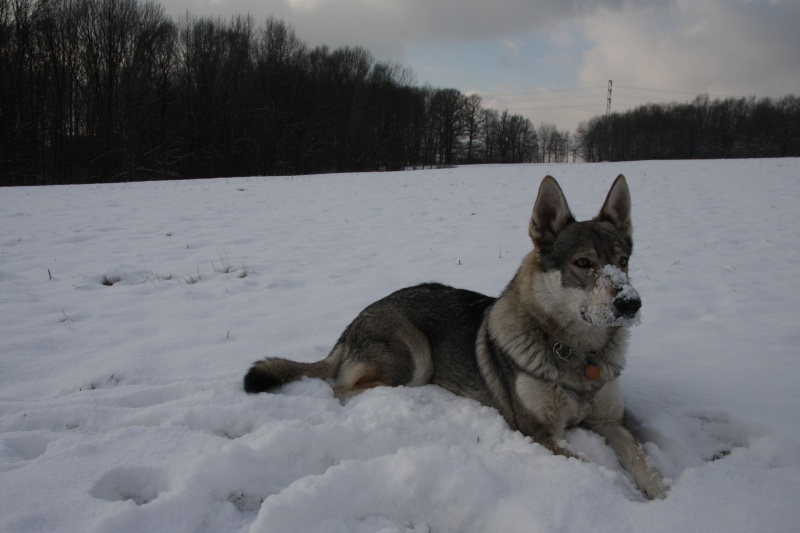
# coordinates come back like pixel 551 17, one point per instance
pixel 130 312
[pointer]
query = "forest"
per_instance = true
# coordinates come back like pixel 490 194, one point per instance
pixel 114 90
pixel 723 128
pixel 96 91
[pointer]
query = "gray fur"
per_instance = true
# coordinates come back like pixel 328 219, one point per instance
pixel 501 351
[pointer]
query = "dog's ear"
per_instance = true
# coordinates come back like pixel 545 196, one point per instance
pixel 617 208
pixel 550 214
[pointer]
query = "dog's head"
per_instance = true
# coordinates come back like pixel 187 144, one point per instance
pixel 584 265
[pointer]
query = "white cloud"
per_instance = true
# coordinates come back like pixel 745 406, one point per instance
pixel 301 5
pixel 513 47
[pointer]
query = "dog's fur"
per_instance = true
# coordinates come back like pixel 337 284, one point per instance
pixel 546 353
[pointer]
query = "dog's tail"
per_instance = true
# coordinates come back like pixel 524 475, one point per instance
pixel 272 372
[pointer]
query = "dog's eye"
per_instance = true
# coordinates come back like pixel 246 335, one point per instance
pixel 583 263
pixel 623 261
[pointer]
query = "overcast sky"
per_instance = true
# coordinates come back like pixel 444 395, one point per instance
pixel 551 60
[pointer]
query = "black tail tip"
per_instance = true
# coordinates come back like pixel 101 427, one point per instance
pixel 257 380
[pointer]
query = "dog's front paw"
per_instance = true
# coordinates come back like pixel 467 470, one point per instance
pixel 657 493
pixel 655 489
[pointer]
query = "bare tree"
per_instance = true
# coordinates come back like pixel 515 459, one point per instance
pixel 489 127
pixel 473 117
pixel 447 115
pixel 546 134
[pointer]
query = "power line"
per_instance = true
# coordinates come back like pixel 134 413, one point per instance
pixel 556 107
pixel 548 92
pixel 586 97
pixel 542 91
pixel 694 93
pixel 542 99
pixel 649 98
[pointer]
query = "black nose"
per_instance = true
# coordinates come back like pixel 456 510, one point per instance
pixel 626 306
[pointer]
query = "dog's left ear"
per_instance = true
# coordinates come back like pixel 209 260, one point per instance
pixel 617 208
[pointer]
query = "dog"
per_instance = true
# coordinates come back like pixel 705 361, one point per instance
pixel 546 353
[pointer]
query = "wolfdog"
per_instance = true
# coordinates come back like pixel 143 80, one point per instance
pixel 546 353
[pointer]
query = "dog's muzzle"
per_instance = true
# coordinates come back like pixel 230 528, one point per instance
pixel 626 307
pixel 615 303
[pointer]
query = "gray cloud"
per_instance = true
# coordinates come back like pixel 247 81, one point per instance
pixel 386 27
pixel 736 47
pixel 714 46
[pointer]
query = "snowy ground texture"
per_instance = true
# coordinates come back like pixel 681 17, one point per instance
pixel 130 312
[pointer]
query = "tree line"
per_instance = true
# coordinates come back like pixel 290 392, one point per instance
pixel 115 90
pixel 702 129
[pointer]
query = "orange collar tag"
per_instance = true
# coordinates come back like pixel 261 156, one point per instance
pixel 593 372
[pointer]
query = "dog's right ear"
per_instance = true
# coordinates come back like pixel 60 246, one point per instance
pixel 550 214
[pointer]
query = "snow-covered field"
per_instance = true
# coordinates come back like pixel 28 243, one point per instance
pixel 130 312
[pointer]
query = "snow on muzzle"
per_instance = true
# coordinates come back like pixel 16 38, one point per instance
pixel 613 302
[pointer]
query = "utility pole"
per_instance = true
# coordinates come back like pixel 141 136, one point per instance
pixel 608 121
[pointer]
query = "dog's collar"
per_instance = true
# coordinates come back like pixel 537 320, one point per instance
pixel 564 353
